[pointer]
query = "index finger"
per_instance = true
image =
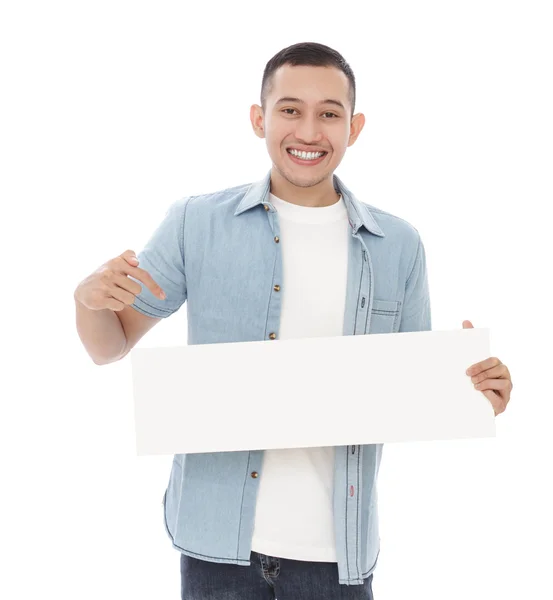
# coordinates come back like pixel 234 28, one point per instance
pixel 483 365
pixel 145 278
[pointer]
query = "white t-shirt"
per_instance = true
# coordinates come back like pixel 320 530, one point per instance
pixel 294 514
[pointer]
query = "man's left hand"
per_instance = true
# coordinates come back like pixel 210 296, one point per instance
pixel 492 378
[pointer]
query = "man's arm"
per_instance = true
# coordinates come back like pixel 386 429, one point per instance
pixel 107 335
pixel 416 313
pixel 135 325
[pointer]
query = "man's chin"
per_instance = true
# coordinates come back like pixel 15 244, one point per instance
pixel 303 181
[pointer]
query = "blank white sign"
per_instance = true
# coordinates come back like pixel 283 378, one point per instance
pixel 310 392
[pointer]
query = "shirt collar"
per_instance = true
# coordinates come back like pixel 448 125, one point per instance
pixel 358 213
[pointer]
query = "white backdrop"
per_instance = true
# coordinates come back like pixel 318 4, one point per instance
pixel 113 110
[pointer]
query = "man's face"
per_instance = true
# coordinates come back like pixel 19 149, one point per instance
pixel 307 109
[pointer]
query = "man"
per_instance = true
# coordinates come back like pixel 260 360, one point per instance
pixel 293 255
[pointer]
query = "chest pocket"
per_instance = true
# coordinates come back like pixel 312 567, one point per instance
pixel 385 316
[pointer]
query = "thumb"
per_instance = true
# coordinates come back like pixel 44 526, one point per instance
pixel 467 325
pixel 130 257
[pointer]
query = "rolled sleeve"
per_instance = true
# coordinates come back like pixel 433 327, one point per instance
pixel 416 313
pixel 163 258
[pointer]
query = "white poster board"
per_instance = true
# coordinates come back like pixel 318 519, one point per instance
pixel 310 392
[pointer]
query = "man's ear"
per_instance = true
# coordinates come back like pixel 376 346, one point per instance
pixel 257 120
pixel 357 124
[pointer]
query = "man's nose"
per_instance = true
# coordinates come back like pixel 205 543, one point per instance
pixel 308 130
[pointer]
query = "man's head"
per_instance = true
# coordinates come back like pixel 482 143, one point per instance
pixel 307 104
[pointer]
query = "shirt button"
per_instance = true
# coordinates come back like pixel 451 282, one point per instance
pixel 255 475
pixel 266 206
pixel 277 288
pixel 277 239
pixel 272 336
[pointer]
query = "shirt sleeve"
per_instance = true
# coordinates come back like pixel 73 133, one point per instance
pixel 163 258
pixel 416 313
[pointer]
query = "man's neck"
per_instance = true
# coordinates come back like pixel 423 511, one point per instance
pixel 320 195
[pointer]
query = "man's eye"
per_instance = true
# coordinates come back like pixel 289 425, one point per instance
pixel 289 111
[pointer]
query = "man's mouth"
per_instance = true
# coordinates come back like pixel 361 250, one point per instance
pixel 304 156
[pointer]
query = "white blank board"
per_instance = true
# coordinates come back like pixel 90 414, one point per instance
pixel 311 392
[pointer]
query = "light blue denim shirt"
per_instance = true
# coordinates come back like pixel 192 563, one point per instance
pixel 221 252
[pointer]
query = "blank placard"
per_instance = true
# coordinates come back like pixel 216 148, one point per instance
pixel 311 392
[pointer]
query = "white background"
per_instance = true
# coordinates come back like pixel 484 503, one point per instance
pixel 113 110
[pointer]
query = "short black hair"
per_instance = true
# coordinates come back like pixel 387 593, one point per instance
pixel 307 54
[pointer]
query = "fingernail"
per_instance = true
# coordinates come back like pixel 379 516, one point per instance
pixel 162 295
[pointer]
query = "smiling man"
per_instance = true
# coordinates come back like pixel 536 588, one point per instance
pixel 306 117
pixel 295 254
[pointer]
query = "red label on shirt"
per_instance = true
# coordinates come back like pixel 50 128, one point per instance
pixel 351 490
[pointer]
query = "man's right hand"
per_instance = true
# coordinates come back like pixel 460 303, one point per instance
pixel 110 287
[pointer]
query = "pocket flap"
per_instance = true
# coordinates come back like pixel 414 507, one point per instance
pixel 386 306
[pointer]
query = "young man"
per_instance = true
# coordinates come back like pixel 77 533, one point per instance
pixel 293 255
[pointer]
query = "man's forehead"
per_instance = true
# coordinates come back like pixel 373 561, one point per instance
pixel 301 72
pixel 309 83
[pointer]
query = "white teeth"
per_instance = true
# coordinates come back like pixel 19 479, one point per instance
pixel 306 155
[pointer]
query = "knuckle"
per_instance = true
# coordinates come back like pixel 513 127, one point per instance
pixel 96 295
pixel 106 275
pixel 113 262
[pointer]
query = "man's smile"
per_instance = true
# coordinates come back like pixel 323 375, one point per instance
pixel 303 157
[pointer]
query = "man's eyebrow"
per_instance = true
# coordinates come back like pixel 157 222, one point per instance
pixel 286 99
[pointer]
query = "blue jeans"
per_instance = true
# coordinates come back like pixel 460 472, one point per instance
pixel 267 578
